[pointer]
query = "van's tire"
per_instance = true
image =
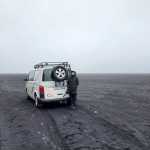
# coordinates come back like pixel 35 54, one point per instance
pixel 37 103
pixel 28 97
pixel 59 73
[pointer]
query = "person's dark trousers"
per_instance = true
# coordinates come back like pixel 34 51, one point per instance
pixel 73 98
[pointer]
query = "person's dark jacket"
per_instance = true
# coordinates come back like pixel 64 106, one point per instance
pixel 73 83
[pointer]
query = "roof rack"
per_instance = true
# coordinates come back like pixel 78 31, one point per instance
pixel 43 64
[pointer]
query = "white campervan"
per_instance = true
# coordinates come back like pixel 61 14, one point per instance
pixel 48 82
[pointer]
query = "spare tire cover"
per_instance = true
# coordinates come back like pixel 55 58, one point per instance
pixel 59 73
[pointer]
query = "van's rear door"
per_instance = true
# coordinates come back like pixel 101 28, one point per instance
pixel 55 90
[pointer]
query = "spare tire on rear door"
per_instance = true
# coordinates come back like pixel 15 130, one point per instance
pixel 59 73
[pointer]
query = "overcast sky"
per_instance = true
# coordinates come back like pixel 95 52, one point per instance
pixel 106 36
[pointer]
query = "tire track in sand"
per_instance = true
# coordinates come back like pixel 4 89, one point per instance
pixel 53 130
pixel 80 130
pixel 124 133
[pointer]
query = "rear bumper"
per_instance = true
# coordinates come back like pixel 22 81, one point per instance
pixel 54 99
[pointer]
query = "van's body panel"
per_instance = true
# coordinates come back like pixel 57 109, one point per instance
pixel 53 91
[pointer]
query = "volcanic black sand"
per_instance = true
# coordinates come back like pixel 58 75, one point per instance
pixel 113 113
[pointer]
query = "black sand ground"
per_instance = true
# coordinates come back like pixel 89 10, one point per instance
pixel 113 114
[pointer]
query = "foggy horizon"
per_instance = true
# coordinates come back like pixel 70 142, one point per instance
pixel 109 36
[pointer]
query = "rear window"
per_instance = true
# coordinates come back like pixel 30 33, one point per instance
pixel 47 75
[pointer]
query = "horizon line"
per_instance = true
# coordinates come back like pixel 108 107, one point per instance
pixel 87 73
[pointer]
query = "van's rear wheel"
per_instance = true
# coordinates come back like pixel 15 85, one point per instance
pixel 37 104
pixel 28 97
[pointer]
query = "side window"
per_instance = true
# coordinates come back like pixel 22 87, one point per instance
pixel 31 75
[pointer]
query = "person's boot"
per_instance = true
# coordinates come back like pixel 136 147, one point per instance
pixel 73 106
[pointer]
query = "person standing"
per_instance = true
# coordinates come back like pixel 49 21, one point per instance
pixel 73 84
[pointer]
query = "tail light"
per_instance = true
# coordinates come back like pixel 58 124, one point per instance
pixel 41 91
